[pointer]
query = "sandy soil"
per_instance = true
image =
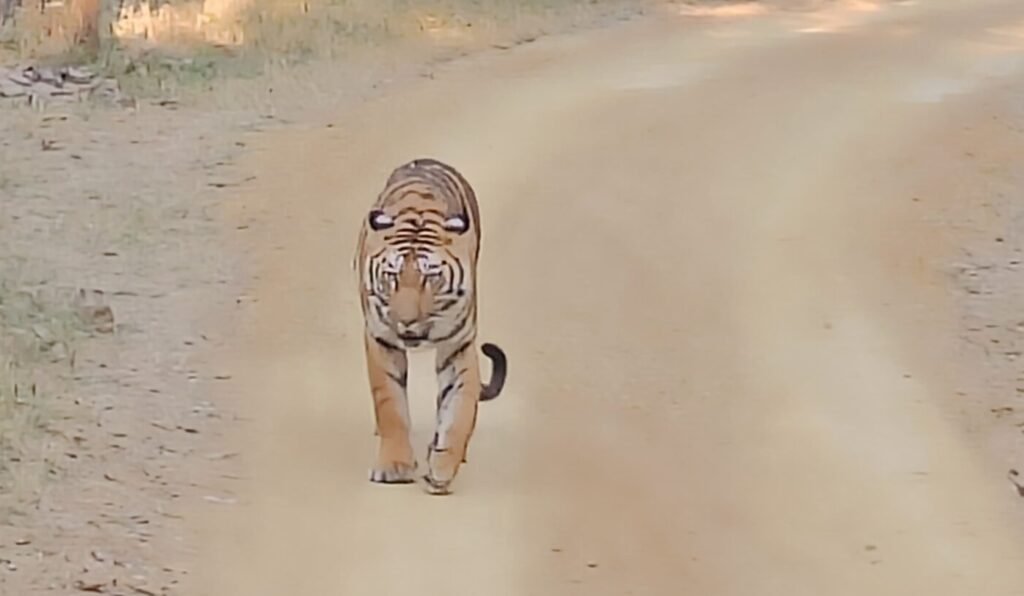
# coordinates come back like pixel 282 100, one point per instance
pixel 119 437
pixel 757 391
pixel 796 372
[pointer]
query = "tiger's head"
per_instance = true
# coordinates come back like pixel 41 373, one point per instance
pixel 418 273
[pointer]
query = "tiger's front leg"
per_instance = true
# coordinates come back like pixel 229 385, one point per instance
pixel 388 372
pixel 458 375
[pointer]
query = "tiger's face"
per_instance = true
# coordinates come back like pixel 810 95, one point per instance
pixel 418 285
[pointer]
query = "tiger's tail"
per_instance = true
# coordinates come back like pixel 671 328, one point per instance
pixel 499 369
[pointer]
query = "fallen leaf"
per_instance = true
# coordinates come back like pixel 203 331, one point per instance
pixel 100 318
pixel 90 587
pixel 1002 411
pixel 1013 475
pixel 226 455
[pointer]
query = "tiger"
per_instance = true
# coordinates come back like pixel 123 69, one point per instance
pixel 416 260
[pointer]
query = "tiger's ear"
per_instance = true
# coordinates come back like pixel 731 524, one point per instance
pixel 457 224
pixel 380 220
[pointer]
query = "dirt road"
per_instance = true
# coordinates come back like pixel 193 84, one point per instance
pixel 697 256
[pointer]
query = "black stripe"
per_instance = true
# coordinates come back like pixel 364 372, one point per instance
pixel 414 237
pixel 446 304
pixel 455 384
pixel 450 277
pixel 454 276
pixel 451 357
pixel 404 241
pixel 462 275
pixel 458 328
pixel 451 187
pixel 465 194
pixel 425 235
pixel 414 231
pixel 387 345
pixel 394 188
pixel 380 312
pixel 464 314
pixel 401 379
pixel 402 183
pixel 374 273
pixel 447 184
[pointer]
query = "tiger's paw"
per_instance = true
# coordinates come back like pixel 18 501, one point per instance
pixel 394 473
pixel 443 466
pixel 437 487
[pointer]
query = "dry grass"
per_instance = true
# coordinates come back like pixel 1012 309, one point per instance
pixel 322 28
pixel 42 29
pixel 193 42
pixel 38 331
